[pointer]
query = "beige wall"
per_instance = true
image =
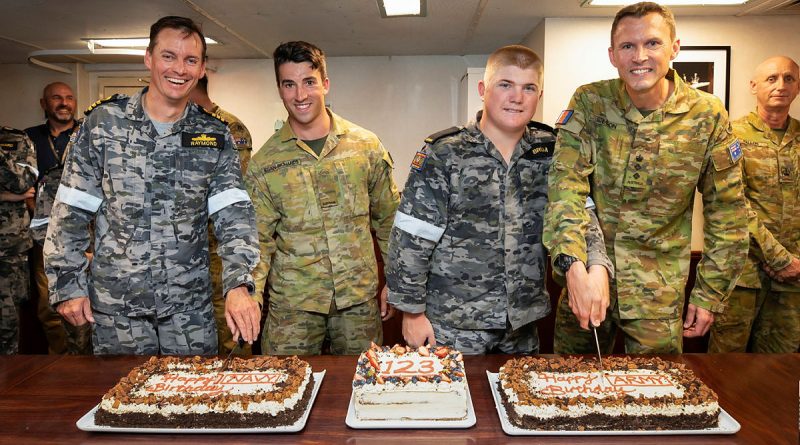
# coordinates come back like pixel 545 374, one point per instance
pixel 401 99
pixel 21 90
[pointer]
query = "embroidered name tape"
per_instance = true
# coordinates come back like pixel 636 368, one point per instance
pixel 213 140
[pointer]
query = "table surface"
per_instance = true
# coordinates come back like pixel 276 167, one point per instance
pixel 41 398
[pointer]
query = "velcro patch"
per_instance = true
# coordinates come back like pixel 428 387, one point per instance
pixel 419 161
pixel 564 117
pixel 735 150
pixel 540 151
pixel 213 140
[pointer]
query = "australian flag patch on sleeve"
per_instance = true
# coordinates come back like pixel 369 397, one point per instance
pixel 735 151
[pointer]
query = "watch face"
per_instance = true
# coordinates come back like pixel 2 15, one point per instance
pixel 564 262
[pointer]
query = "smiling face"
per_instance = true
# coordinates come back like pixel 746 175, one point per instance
pixel 775 84
pixel 510 97
pixel 303 91
pixel 641 50
pixel 59 103
pixel 175 64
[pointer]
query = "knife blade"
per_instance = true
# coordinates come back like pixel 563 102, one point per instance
pixel 599 356
pixel 239 344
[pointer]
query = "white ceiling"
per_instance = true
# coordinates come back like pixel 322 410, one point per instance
pixel 253 28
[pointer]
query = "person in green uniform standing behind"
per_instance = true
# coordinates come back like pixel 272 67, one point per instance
pixel 320 185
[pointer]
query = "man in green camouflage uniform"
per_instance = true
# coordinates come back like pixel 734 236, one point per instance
pixel 319 185
pixel 466 261
pixel 17 176
pixel 640 145
pixel 244 144
pixel 151 171
pixel 764 308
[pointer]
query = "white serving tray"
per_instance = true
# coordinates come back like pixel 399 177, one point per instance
pixel 353 422
pixel 727 424
pixel 86 423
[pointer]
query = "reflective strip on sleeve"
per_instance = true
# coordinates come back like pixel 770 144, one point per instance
pixel 226 198
pixel 39 222
pixel 77 198
pixel 418 227
pixel 30 167
pixel 589 203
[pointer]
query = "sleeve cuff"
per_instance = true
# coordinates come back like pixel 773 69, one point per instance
pixel 598 259
pixel 405 303
pixel 713 306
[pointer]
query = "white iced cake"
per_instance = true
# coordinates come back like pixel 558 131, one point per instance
pixel 401 383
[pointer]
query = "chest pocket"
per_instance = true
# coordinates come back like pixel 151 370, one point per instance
pixel 760 167
pixel 293 193
pixel 675 172
pixel 532 185
pixel 194 167
pixel 124 177
pixel 351 185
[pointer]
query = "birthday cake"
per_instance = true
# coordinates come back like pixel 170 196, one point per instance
pixel 401 383
pixel 173 392
pixel 572 393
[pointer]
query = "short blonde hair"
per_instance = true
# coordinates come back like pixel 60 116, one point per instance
pixel 513 55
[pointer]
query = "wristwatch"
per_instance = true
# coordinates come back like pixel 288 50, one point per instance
pixel 563 262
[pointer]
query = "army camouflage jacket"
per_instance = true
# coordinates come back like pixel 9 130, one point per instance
pixel 771 171
pixel 466 245
pixel 315 214
pixel 151 198
pixel 17 174
pixel 642 173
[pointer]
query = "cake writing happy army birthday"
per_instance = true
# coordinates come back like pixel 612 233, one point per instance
pixel 572 393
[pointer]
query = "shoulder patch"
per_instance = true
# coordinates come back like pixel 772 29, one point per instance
pixel 419 161
pixel 541 150
pixel 541 126
pixel 735 151
pixel 111 98
pixel 438 135
pixel 564 117
pixel 216 116
pixel 13 130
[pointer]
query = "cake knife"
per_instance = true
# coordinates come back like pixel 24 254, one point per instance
pixel 599 357
pixel 239 344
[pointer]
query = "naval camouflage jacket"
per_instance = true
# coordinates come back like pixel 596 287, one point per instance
pixel 771 169
pixel 17 175
pixel 466 246
pixel 642 173
pixel 151 198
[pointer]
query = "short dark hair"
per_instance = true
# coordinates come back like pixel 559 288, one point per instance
pixel 642 9
pixel 184 24
pixel 299 52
